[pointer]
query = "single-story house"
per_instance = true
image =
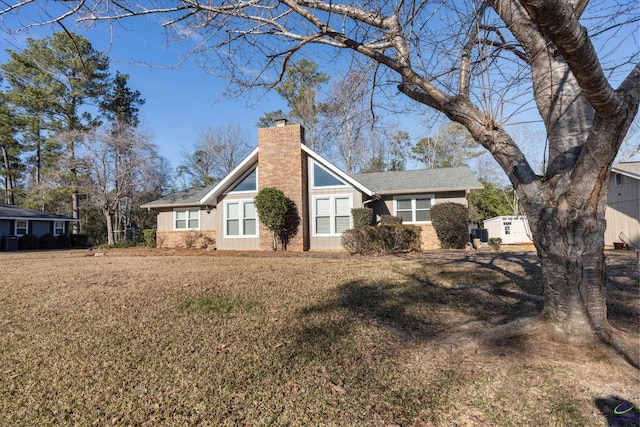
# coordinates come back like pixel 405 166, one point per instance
pixel 323 194
pixel 513 230
pixel 623 205
pixel 17 221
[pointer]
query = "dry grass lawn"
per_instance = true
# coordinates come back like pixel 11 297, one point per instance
pixel 157 337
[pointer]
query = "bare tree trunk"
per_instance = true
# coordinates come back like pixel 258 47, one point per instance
pixel 8 181
pixel 109 220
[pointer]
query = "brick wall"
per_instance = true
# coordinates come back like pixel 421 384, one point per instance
pixel 429 237
pixel 181 239
pixel 283 165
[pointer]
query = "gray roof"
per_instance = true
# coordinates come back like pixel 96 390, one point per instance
pixel 419 181
pixel 16 212
pixel 189 197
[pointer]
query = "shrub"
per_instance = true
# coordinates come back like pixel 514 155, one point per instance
pixel 28 242
pixel 149 237
pixel 390 219
pixel 160 238
pixel 191 238
pixel 361 217
pixel 62 241
pixel 79 240
pixel 451 222
pixel 384 239
pixel 495 242
pixel 273 208
pixel 47 241
pixel 361 240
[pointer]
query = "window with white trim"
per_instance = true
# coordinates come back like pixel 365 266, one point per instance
pixel 247 184
pixel 322 178
pixel 414 209
pixel 331 215
pixel 58 228
pixel 240 218
pixel 21 227
pixel 618 180
pixel 186 219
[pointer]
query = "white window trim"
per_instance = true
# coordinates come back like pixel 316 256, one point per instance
pixel 617 177
pixel 413 206
pixel 239 180
pixel 332 215
pixel 175 218
pixel 326 187
pixel 240 219
pixel 26 227
pixel 54 228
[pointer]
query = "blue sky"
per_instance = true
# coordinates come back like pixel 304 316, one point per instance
pixel 179 101
pixel 184 100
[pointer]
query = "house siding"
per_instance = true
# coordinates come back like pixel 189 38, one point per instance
pixel 5 228
pixel 234 243
pixel 167 237
pixel 40 228
pixel 623 211
pixel 331 242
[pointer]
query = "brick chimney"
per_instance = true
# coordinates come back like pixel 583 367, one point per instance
pixel 283 165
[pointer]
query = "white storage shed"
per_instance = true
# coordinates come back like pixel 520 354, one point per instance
pixel 513 230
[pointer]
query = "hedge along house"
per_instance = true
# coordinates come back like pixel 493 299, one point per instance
pixel 323 194
pixel 17 221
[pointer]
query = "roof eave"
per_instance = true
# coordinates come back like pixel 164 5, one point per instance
pixel 18 218
pixel 425 190
pixel 325 163
pixel 211 198
pixel 625 173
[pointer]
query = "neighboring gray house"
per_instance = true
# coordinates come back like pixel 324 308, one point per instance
pixel 323 194
pixel 17 221
pixel 623 205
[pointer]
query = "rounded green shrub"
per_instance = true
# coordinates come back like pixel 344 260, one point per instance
pixel 361 217
pixel 451 222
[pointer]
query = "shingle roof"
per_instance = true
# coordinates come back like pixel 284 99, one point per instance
pixel 422 180
pixel 188 197
pixel 17 212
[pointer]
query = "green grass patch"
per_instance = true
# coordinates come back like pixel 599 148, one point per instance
pixel 219 304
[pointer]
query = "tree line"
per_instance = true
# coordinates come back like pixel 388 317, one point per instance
pixel 69 138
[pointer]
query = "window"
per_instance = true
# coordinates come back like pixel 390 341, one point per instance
pixel 241 219
pixel 21 227
pixel 332 214
pixel 58 228
pixel 507 227
pixel 248 183
pixel 618 180
pixel 414 208
pixel 324 178
pixel 187 219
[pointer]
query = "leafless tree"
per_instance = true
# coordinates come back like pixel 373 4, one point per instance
pixel 118 165
pixel 480 64
pixel 348 120
pixel 216 152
